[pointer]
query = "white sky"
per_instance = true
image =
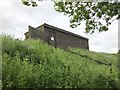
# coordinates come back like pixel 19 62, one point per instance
pixel 16 17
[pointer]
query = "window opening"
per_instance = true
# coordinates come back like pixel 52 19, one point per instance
pixel 52 38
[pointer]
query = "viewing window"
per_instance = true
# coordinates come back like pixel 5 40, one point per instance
pixel 52 38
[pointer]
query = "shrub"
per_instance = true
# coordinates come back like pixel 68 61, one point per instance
pixel 34 64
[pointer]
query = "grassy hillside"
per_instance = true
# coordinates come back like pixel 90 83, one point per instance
pixel 34 64
pixel 104 58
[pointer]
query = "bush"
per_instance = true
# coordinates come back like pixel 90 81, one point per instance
pixel 34 64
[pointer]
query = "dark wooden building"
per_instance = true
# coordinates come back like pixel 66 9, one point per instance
pixel 57 37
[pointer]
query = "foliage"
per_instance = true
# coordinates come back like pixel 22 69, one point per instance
pixel 29 3
pixel 119 52
pixel 0 84
pixel 34 64
pixel 97 15
pixel 103 57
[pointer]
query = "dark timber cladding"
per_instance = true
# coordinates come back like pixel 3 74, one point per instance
pixel 57 37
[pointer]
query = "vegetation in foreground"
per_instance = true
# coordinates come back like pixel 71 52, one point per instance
pixel 34 64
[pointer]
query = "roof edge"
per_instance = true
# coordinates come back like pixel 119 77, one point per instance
pixel 62 30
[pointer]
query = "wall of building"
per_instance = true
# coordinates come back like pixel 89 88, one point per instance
pixel 37 33
pixel 57 38
pixel 64 40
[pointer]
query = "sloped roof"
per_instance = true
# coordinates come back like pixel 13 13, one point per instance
pixel 61 30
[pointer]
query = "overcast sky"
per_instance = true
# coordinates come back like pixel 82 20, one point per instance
pixel 16 17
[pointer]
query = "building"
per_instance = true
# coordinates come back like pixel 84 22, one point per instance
pixel 57 37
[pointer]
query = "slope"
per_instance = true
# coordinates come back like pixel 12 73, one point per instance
pixel 34 64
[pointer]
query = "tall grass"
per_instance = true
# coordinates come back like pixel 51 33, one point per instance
pixel 34 64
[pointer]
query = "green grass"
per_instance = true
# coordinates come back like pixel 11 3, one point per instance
pixel 102 57
pixel 34 64
pixel 0 84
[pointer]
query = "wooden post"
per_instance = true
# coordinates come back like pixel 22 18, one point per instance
pixel 110 64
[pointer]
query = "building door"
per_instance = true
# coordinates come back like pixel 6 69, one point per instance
pixel 52 38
